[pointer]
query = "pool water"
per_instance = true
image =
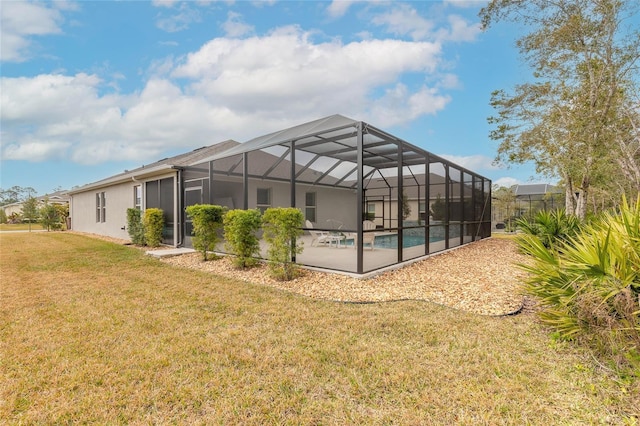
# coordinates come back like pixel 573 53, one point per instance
pixel 391 241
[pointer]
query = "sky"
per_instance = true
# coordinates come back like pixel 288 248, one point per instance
pixel 91 88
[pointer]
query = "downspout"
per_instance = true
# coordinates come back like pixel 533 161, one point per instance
pixel 142 194
pixel 180 210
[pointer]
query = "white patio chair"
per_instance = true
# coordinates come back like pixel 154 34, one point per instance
pixel 318 237
pixel 367 237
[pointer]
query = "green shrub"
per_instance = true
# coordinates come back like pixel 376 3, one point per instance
pixel 3 216
pixel 50 218
pixel 438 210
pixel 135 227
pixel 207 221
pixel 589 286
pixel 282 227
pixel 552 227
pixel 153 222
pixel 240 228
pixel 63 211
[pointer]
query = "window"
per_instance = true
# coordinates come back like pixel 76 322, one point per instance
pixel 310 206
pixel 137 197
pixel 422 207
pixel 101 207
pixel 264 199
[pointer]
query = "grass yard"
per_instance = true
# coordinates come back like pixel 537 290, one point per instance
pixel 94 332
pixel 19 227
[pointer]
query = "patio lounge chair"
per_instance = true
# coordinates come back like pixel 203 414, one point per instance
pixel 322 237
pixel 367 237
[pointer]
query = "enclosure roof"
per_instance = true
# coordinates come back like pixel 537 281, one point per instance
pixel 335 136
pixel 327 151
pixel 535 189
pixel 315 127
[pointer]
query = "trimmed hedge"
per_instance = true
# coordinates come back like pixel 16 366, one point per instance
pixel 207 221
pixel 153 221
pixel 240 228
pixel 282 227
pixel 135 227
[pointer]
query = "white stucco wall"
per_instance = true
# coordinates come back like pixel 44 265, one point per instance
pixel 82 210
pixel 331 203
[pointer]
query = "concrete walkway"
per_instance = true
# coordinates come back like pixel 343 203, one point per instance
pixel 169 252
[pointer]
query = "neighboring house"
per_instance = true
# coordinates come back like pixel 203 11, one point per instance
pixel 56 198
pixel 335 169
pixel 525 200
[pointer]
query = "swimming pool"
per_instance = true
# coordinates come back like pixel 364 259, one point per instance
pixel 390 241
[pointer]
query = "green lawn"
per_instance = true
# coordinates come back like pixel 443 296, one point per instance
pixel 94 332
pixel 19 227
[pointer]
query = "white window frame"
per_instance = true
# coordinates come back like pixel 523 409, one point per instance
pixel 101 207
pixel 263 206
pixel 311 208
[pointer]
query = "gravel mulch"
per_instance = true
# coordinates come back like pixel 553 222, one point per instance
pixel 480 277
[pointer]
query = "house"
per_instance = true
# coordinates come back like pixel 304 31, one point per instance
pixel 55 198
pixel 531 198
pixel 101 207
pixel 337 170
pixel 524 200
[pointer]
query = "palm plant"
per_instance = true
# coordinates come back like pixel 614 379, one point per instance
pixel 551 227
pixel 589 284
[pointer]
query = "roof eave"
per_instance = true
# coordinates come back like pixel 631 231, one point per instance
pixel 139 174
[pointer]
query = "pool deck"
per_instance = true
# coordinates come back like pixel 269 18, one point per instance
pixel 343 259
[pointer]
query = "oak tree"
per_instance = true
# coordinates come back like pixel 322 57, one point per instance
pixel 567 119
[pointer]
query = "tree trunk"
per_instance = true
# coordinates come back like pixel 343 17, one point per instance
pixel 569 197
pixel 582 199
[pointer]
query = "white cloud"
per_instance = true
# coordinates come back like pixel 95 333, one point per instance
pixel 50 116
pixel 399 106
pixel 229 88
pixel 465 4
pixel 179 21
pixel 338 8
pixel 404 20
pixel 506 181
pixel 20 22
pixel 460 30
pixel 472 162
pixel 36 150
pixel 235 27
pixel 287 69
pixel 164 3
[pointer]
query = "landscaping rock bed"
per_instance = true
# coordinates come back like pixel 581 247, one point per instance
pixel 480 277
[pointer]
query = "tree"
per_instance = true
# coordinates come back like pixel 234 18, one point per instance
pixel 438 210
pixel 628 143
pixel 15 194
pixel 406 207
pixel 30 210
pixel 505 202
pixel 567 121
pixel 63 211
pixel 50 217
